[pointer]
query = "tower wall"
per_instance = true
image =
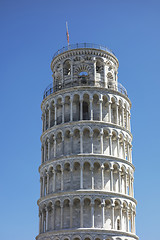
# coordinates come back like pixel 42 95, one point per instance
pixel 86 171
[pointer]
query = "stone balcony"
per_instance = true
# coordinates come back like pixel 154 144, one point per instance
pixel 82 81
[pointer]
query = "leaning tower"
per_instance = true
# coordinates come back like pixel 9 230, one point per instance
pixel 86 171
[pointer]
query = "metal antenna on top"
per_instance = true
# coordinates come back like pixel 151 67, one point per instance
pixel 67 33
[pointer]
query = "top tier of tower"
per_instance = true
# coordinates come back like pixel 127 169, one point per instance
pixel 84 65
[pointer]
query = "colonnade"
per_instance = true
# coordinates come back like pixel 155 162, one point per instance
pixel 93 107
pixel 88 212
pixel 106 177
pixel 88 139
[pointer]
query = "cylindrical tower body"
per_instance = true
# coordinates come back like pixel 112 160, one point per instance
pixel 86 171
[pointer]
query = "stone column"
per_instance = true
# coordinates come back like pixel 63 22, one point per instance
pixel 49 120
pixel 120 181
pixel 71 136
pixel 103 214
pixel 54 180
pixel 42 222
pixel 91 136
pixel 46 218
pixel 81 109
pixel 118 146
pixel 122 116
pixel 121 220
pixel 43 186
pixel 109 111
pixel 62 144
pixel 42 155
pixel 116 113
pixel 110 144
pixel 45 120
pixel 105 77
pixel 53 214
pixel 92 214
pixel 134 230
pixel 131 154
pixel 63 111
pixel 49 148
pixel 129 184
pixel 55 113
pixel 101 140
pixel 92 177
pixel 71 213
pixel 61 178
pixel 112 216
pixel 91 109
pixel 81 177
pixel 71 109
pixel 44 151
pixel 47 183
pixel 81 214
pixel 42 118
pixel 61 205
pixel 111 179
pixel 129 121
pixel 71 171
pixel 124 150
pixel 102 174
pixel 127 220
pixel 128 157
pixel 126 119
pixel 54 138
pixel 100 106
pixel 81 142
pixel 125 182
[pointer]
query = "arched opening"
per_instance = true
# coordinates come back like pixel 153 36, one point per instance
pixel 97 213
pixel 57 218
pixel 105 109
pixel 59 111
pixel 66 214
pixel 86 107
pixel 67 109
pixel 58 178
pixel 76 141
pixel 87 213
pixel 96 141
pixel 115 177
pixel 108 215
pixel 66 177
pixel 86 176
pixel 52 121
pixel 106 142
pixel 83 77
pixel 76 213
pixel 96 108
pixel 86 141
pixel 106 177
pixel 97 176
pixel 76 108
pixel 76 176
pixel 59 145
pixel 68 143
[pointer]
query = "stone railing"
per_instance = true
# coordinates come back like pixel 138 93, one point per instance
pixel 59 86
pixel 82 45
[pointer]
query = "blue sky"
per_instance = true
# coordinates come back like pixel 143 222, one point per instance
pixel 31 31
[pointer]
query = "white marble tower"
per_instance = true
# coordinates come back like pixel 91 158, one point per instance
pixel 86 171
